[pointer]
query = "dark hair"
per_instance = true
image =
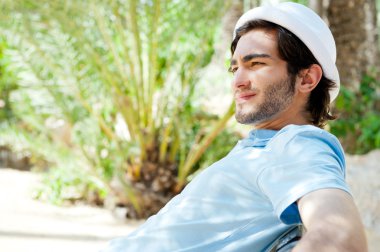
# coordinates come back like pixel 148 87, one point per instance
pixel 298 57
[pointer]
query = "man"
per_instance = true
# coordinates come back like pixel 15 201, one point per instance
pixel 288 171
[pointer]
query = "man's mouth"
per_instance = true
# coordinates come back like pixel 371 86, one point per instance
pixel 243 97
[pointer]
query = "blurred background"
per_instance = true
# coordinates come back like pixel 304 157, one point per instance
pixel 108 108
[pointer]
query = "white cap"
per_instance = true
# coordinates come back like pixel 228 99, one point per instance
pixel 308 27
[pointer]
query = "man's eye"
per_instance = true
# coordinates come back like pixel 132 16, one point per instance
pixel 255 63
pixel 232 69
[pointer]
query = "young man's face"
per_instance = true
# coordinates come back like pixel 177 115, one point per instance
pixel 262 89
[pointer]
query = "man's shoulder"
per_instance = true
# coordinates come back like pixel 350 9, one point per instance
pixel 306 137
pixel 294 129
pixel 305 132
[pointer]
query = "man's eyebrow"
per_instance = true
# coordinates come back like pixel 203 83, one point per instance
pixel 252 56
pixel 249 57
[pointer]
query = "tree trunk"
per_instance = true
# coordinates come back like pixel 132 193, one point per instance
pixel 353 24
pixel 317 6
pixel 228 26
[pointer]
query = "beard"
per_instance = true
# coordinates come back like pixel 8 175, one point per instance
pixel 277 97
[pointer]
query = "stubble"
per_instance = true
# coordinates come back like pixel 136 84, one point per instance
pixel 277 97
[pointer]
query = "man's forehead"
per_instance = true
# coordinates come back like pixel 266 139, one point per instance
pixel 257 43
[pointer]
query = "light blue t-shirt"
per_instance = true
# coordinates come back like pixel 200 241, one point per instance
pixel 246 200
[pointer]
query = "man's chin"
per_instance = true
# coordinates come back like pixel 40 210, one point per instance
pixel 247 119
pixel 252 118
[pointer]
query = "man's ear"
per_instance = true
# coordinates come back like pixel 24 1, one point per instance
pixel 310 78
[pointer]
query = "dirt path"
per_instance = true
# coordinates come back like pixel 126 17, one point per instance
pixel 30 225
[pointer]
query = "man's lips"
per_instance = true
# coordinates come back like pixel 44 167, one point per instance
pixel 242 97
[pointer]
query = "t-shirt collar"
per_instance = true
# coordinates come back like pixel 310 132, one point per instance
pixel 258 137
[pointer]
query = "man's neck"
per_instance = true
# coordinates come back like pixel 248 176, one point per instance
pixel 290 117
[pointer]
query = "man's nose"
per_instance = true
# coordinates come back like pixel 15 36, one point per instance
pixel 240 79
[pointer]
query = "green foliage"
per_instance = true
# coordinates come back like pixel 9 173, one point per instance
pixel 105 86
pixel 64 184
pixel 304 2
pixel 8 83
pixel 359 124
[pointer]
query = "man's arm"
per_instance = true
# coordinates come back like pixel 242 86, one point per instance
pixel 332 223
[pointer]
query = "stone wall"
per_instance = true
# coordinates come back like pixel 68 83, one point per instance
pixel 363 176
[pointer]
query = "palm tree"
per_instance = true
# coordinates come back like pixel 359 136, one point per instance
pixel 121 76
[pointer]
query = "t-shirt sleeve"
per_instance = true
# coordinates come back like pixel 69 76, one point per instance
pixel 302 162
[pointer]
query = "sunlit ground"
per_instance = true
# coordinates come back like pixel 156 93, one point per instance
pixel 30 225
